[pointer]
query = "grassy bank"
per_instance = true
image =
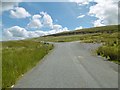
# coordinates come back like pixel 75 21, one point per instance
pixel 103 29
pixel 19 57
pixel 107 35
pixel 110 47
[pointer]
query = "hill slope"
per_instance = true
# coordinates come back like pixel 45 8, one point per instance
pixel 103 29
pixel 17 53
pixel 107 35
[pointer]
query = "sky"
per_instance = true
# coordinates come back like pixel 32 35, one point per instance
pixel 21 20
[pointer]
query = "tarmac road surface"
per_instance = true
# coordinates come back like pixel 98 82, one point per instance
pixel 70 65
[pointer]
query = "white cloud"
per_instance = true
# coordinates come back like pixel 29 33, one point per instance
pixel 98 23
pixel 37 16
pixel 17 33
pixel 106 11
pixel 81 2
pixel 19 12
pixel 47 20
pixel 65 29
pixel 42 20
pixel 81 16
pixel 57 29
pixel 56 26
pixel 8 5
pixel 54 31
pixel 80 27
pixel 35 22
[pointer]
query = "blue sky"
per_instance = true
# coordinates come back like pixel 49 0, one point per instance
pixel 18 20
pixel 64 14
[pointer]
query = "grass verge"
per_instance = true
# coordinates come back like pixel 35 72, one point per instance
pixel 110 52
pixel 109 40
pixel 20 56
pixel 110 47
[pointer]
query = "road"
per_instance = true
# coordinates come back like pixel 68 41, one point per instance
pixel 70 65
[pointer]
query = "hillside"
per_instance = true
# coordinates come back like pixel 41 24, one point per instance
pixel 103 29
pixel 81 34
pixel 106 35
pixel 17 53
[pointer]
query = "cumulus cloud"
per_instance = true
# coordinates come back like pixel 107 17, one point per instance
pixel 37 16
pixel 98 23
pixel 47 20
pixel 54 31
pixel 19 12
pixel 80 27
pixel 56 26
pixel 81 2
pixel 42 20
pixel 39 22
pixel 17 33
pixel 106 11
pixel 81 16
pixel 35 22
pixel 9 5
pixel 57 29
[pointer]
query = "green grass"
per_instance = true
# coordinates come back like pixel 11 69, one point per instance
pixel 107 35
pixel 110 52
pixel 59 39
pixel 103 29
pixel 110 47
pixel 19 57
pixel 82 34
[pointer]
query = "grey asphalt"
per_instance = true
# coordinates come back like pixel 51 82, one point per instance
pixel 71 65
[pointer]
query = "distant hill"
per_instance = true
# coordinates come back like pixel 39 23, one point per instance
pixel 103 29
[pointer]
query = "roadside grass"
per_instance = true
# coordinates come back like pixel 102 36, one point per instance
pixel 110 52
pixel 58 38
pixel 107 35
pixel 20 56
pixel 110 47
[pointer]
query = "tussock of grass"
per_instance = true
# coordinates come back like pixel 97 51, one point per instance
pixel 109 52
pixel 19 57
